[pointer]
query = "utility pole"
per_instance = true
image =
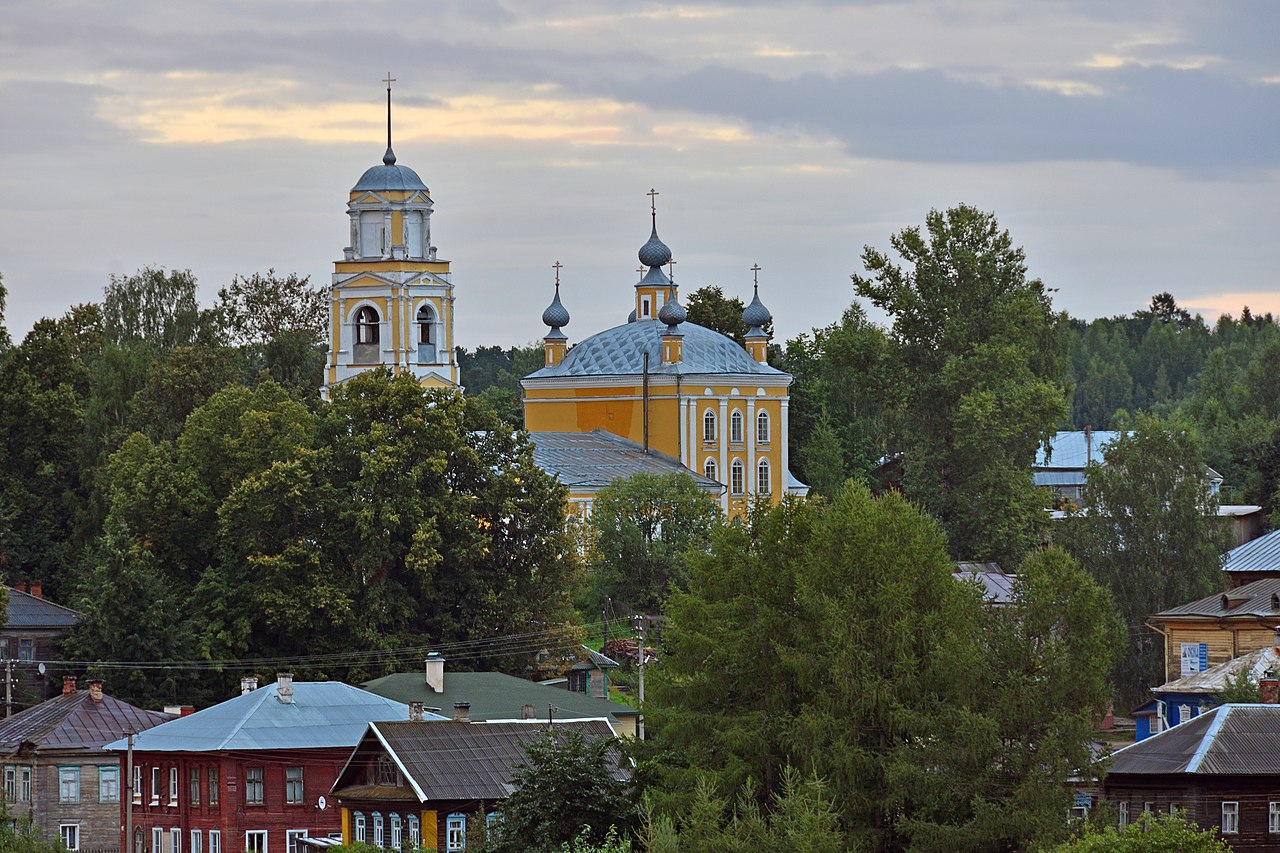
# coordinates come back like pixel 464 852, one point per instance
pixel 8 687
pixel 640 657
pixel 128 800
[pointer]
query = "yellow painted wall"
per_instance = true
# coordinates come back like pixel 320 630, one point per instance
pixel 430 832
pixel 346 826
pixel 1225 641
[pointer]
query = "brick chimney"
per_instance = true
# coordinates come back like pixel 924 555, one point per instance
pixel 462 712
pixel 68 685
pixel 1269 688
pixel 528 712
pixel 20 586
pixel 37 589
pixel 248 684
pixel 435 672
pixel 284 687
pixel 417 712
pixel 95 689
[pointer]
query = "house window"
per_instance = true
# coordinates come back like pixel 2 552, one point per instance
pixel 1148 808
pixel 197 843
pixel 137 786
pixel 1184 713
pixel 173 786
pixel 293 785
pixel 455 832
pixel 762 427
pixel 415 833
pixel 27 650
pixel 68 784
pixel 709 427
pixel 255 841
pixel 764 484
pixel 377 829
pixel 1273 816
pixel 24 784
pixel 10 783
pixel 108 784
pixel 384 772
pixel 709 469
pixel 213 794
pixel 735 477
pixel 137 841
pixel 1124 815
pixel 1230 818
pixel 155 785
pixel 215 841
pixel 394 821
pixel 735 427
pixel 194 783
pixel 157 840
pixel 1173 808
pixel 357 827
pixel 253 786
pixel 291 837
pixel 70 835
pixel 175 840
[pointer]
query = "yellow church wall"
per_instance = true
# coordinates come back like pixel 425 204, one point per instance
pixel 440 267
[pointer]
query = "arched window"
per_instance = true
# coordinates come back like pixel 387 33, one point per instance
pixel 709 469
pixel 762 427
pixel 137 840
pixel 367 329
pixel 426 335
pixel 709 427
pixel 735 477
pixel 735 427
pixel 763 484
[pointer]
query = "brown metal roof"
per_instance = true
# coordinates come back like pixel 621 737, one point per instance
pixel 1260 598
pixel 74 722
pixel 1235 740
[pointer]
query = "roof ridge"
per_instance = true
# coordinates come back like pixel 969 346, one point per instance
pixel 244 718
pixel 1207 739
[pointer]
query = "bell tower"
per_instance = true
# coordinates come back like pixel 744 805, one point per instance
pixel 391 299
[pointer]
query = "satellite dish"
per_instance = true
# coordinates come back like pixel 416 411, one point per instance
pixel 322 803
pixel 40 669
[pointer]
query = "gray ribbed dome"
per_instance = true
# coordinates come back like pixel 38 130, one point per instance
pixel 655 252
pixel 755 314
pixel 389 176
pixel 556 314
pixel 672 312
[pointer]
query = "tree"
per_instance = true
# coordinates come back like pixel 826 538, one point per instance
pixel 1165 833
pixel 1148 530
pixel 643 528
pixel 566 793
pixel 5 340
pixel 493 375
pixel 978 355
pixel 154 307
pixel 283 324
pixel 709 307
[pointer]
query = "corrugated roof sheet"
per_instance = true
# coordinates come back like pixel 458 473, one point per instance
pixel 74 722
pixel 1070 450
pixel 620 352
pixel 1260 598
pixel 473 761
pixel 28 611
pixel 495 696
pixel 1259 555
pixel 322 714
pixel 1058 478
pixel 1228 740
pixel 997 587
pixel 592 460
pixel 1217 677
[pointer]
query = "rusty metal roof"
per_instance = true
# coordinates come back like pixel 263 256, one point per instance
pixel 74 722
pixel 1230 740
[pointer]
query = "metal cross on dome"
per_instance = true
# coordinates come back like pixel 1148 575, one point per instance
pixel 557 266
pixel 653 203
pixel 755 274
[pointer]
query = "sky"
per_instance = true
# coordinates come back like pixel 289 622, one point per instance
pixel 1130 147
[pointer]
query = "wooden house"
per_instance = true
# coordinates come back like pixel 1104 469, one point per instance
pixel 1219 627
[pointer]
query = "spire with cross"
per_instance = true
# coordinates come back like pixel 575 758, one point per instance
pixel 390 157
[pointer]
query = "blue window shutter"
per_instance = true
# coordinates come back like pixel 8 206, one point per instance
pixel 1204 656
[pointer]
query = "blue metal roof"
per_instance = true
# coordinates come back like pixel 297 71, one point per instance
pixel 1070 450
pixel 1259 555
pixel 384 177
pixel 620 352
pixel 597 458
pixel 322 714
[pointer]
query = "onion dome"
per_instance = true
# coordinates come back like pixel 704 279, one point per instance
pixel 756 315
pixel 655 252
pixel 672 312
pixel 556 315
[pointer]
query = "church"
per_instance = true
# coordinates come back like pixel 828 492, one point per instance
pixel 656 394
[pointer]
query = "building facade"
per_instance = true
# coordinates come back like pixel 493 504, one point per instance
pixel 29 635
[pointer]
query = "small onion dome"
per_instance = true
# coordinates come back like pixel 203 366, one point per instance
pixel 672 313
pixel 655 252
pixel 756 315
pixel 556 314
pixel 631 318
pixel 390 157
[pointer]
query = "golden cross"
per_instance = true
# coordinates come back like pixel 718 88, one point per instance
pixel 653 195
pixel 755 273
pixel 389 80
pixel 557 266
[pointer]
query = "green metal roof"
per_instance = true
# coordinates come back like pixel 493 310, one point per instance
pixel 494 696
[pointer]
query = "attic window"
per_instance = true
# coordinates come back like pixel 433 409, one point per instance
pixel 1275 601
pixel 384 772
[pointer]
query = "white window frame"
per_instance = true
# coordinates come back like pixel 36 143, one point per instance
pixel 1273 817
pixel 1123 808
pixel 736 477
pixel 157 840
pixel 764 478
pixel 197 843
pixel 644 307
pixel 213 796
pixel 762 427
pixel 255 833
pixel 193 785
pixel 455 832
pixel 155 786
pixel 709 427
pixel 175 840
pixel 215 841
pixel 291 837
pixel 24 784
pixel 1184 714
pixel 69 834
pixel 378 827
pixel 108 784
pixel 255 787
pixel 173 786
pixel 1230 817
pixel 10 783
pixel 395 833
pixel 415 832
pixel 709 470
pixel 68 776
pixel 294 796
pixel 137 786
pixel 735 427
pixel 358 828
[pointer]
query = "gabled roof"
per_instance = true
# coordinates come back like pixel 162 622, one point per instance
pixel 495 696
pixel 1219 676
pixel 1259 555
pixel 28 611
pixel 1070 449
pixel 1227 740
pixel 997 586
pixel 74 721
pixel 593 460
pixel 462 761
pixel 1260 598
pixel 322 714
pixel 595 660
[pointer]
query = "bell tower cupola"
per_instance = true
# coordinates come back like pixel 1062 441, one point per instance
pixel 755 316
pixel 556 316
pixel 391 296
pixel 654 287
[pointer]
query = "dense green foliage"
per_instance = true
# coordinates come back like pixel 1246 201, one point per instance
pixel 834 637
pixel 1163 833
pixel 566 794
pixel 642 531
pixel 1148 530
pixel 493 374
